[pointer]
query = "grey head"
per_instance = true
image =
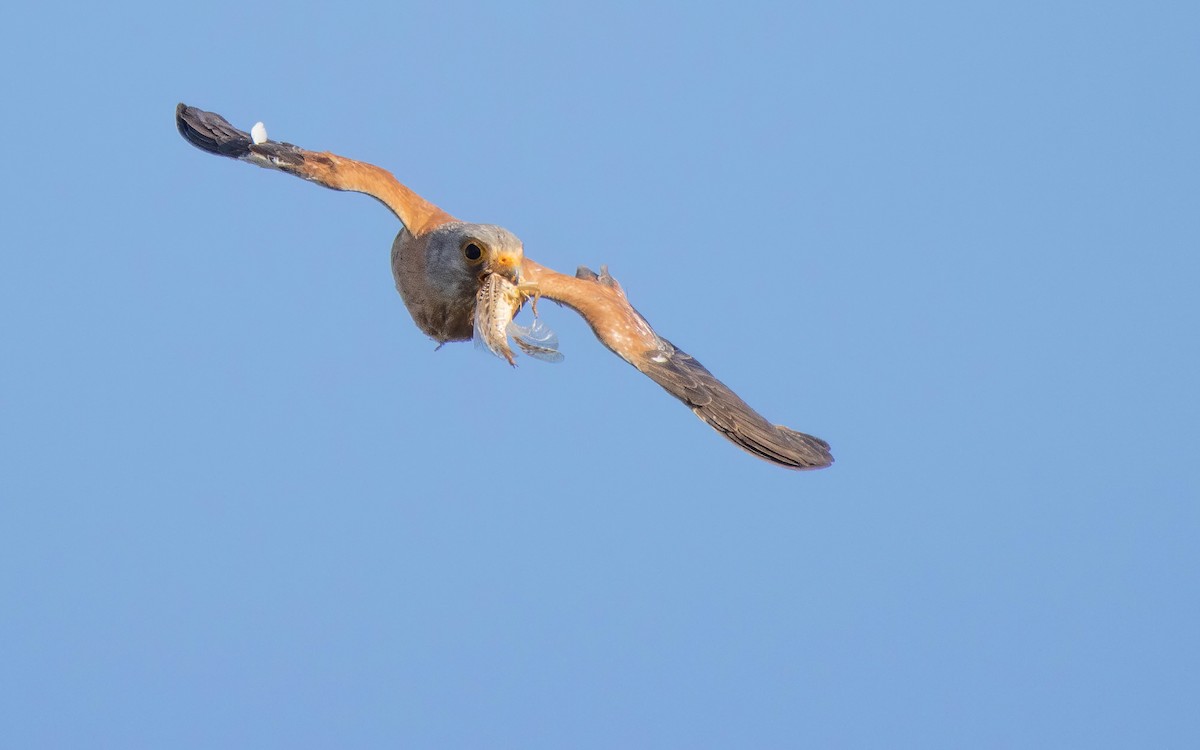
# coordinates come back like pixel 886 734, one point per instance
pixel 458 256
pixel 439 273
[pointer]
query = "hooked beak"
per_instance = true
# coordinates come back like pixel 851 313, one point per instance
pixel 507 265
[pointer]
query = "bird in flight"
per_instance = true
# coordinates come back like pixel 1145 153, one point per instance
pixel 464 281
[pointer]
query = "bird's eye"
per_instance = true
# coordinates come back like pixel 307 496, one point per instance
pixel 473 252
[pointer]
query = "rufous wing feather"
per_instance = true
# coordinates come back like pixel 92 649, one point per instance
pixel 602 303
pixel 210 132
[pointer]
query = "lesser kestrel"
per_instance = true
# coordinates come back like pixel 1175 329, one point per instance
pixel 462 281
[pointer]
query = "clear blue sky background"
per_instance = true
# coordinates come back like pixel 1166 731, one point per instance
pixel 243 503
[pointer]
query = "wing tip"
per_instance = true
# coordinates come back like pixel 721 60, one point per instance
pixel 775 444
pixel 715 403
pixel 210 132
pixel 803 451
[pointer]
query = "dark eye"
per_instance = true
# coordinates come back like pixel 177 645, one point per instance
pixel 472 252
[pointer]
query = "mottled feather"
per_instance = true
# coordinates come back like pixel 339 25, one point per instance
pixel 496 303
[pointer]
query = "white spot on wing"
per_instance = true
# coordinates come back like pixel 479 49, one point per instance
pixel 258 133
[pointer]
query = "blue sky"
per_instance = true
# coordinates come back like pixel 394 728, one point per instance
pixel 243 503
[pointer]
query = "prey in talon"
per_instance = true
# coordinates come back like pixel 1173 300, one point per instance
pixel 496 305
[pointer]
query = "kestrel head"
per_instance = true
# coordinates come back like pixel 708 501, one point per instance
pixel 459 256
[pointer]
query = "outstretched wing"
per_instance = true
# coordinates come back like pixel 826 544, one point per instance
pixel 598 298
pixel 210 132
pixel 602 303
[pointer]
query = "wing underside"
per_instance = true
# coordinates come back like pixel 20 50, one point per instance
pixel 620 327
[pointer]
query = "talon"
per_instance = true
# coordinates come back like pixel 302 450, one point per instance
pixel 585 273
pixel 532 293
pixel 607 280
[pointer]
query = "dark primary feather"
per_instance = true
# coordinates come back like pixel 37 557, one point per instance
pixel 210 132
pixel 688 380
